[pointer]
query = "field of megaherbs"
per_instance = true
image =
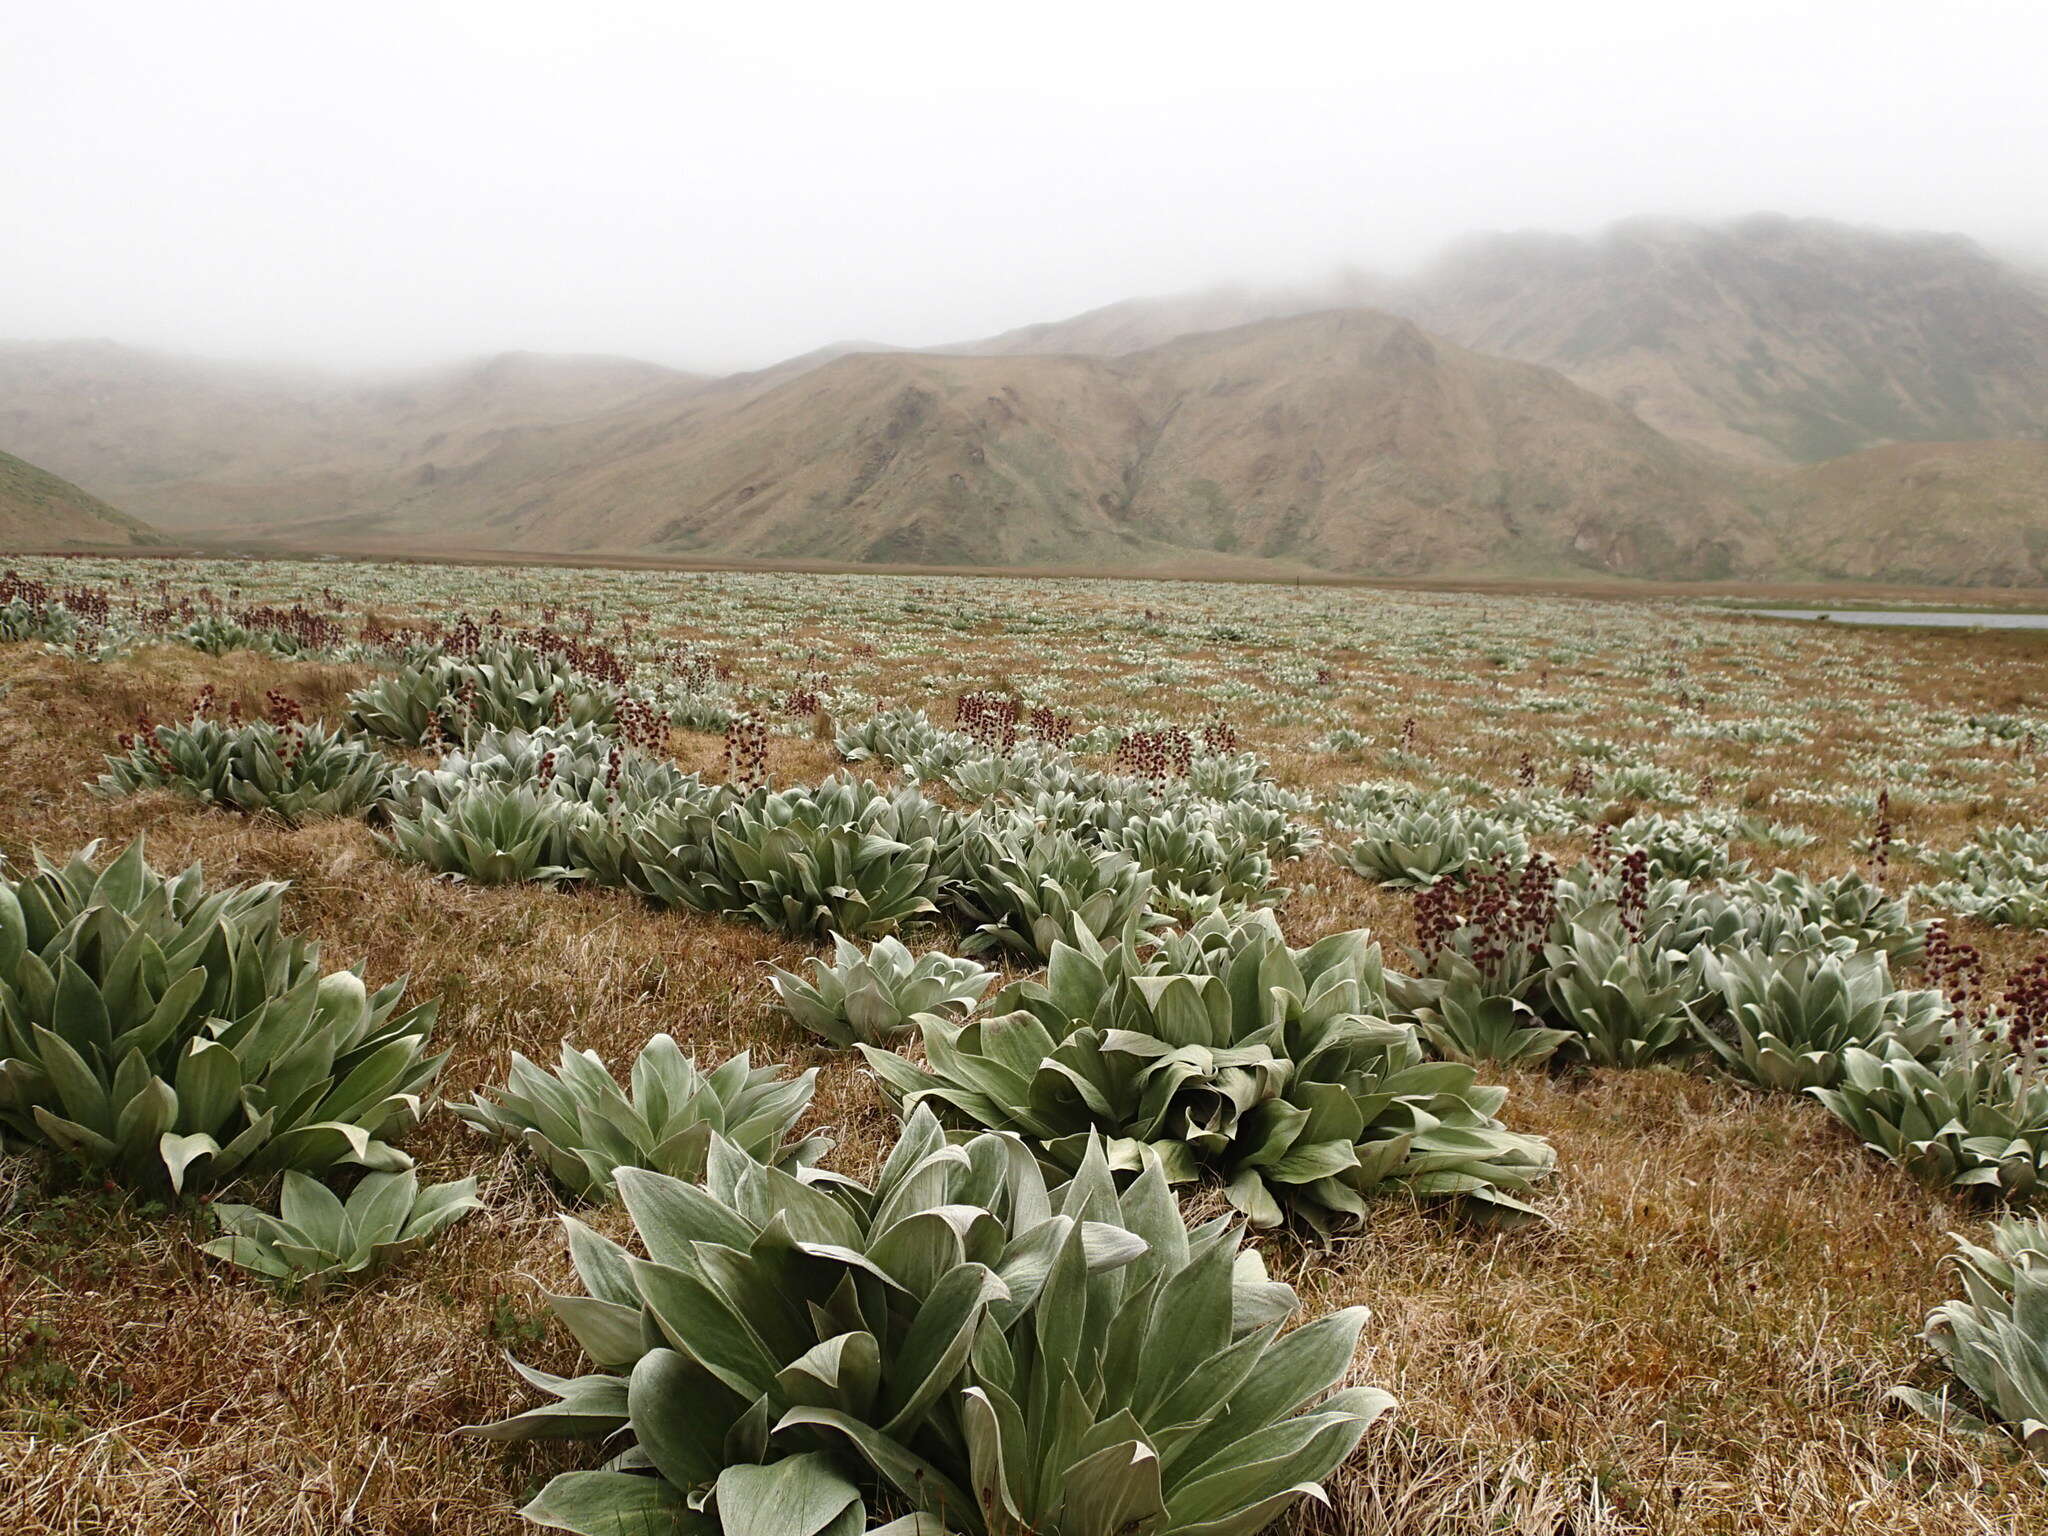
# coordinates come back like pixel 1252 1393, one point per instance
pixel 787 1054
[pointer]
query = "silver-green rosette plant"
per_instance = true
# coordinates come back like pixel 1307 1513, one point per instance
pixel 1678 847
pixel 838 858
pixel 1847 906
pixel 2004 901
pixel 584 1125
pixel 1994 1339
pixel 435 696
pixel 316 1236
pixel 1196 856
pixel 1464 1020
pixel 1975 1117
pixel 167 1034
pixel 870 998
pixel 287 768
pixel 1028 891
pixel 958 1341
pixel 492 834
pixel 582 763
pixel 1274 1071
pixel 1417 848
pixel 1787 1020
pixel 1621 995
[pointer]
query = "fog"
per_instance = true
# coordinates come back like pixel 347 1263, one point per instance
pixel 375 184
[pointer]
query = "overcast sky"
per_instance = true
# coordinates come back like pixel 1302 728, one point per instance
pixel 714 187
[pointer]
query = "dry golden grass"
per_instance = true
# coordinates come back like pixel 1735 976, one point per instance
pixel 1700 1342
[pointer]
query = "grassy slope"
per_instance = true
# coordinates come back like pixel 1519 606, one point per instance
pixel 1699 1344
pixel 1972 512
pixel 40 511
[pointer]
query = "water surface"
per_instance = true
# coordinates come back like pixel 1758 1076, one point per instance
pixel 1932 618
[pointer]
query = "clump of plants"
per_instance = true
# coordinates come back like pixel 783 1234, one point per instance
pixel 1620 996
pixel 436 696
pixel 1994 1339
pixel 958 1340
pixel 1972 1116
pixel 170 1035
pixel 584 1125
pixel 281 765
pixel 1028 891
pixel 1679 846
pixel 799 863
pixel 1196 858
pixel 581 763
pixel 1465 1021
pixel 1488 933
pixel 1417 848
pixel 317 1237
pixel 491 834
pixel 1788 1020
pixel 29 610
pixel 1846 907
pixel 871 998
pixel 1227 1055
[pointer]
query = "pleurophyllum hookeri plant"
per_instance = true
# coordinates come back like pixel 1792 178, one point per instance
pixel 166 1034
pixel 1620 995
pixel 1029 891
pixel 491 834
pixel 959 1341
pixel 1677 847
pixel 1787 1020
pixel 290 769
pixel 870 998
pixel 2017 853
pixel 2004 901
pixel 1270 1069
pixel 1465 1020
pixel 1995 1338
pixel 582 763
pixel 837 858
pixel 316 1236
pixel 978 777
pixel 1846 906
pixel 36 619
pixel 666 851
pixel 584 1126
pixel 1196 858
pixel 412 705
pixel 897 735
pixel 504 686
pixel 1975 1117
pixel 1414 848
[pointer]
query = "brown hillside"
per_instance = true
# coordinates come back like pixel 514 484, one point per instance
pixel 896 457
pixel 1354 440
pixel 190 443
pixel 38 511
pixel 1773 340
pixel 1781 341
pixel 1345 440
pixel 1968 513
pixel 1636 404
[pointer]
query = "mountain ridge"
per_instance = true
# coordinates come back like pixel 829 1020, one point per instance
pixel 1344 438
pixel 1647 401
